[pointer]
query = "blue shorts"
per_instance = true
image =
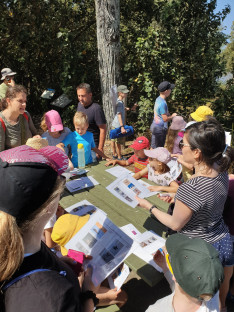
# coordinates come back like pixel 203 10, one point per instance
pixel 225 249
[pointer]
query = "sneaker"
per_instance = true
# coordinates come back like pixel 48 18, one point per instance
pixel 115 157
pixel 122 158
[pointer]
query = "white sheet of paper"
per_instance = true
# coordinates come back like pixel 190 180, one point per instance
pixel 147 185
pixel 105 242
pixel 126 188
pixel 118 277
pixel 148 245
pixel 118 171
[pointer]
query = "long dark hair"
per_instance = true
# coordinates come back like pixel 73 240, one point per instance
pixel 209 137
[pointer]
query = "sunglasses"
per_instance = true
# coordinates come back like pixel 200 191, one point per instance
pixel 182 144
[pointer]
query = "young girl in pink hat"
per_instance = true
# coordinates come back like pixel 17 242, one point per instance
pixel 161 170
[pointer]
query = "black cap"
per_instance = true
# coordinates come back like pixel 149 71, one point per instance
pixel 28 177
pixel 165 85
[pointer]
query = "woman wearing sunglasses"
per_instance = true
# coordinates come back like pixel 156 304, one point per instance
pixel 199 202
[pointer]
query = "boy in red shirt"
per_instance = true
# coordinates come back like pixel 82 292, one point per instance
pixel 139 158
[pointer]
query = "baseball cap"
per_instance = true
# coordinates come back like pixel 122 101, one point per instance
pixel 7 72
pixel 159 153
pixel 28 177
pixel 201 113
pixel 53 121
pixel 195 264
pixel 165 85
pixel 66 227
pixel 122 89
pixel 140 143
pixel 178 123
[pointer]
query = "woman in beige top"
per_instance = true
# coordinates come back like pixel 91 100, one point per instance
pixel 16 125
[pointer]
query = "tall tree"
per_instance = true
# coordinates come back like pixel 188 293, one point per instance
pixel 108 42
pixel 229 52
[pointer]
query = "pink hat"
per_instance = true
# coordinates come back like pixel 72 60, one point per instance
pixel 53 121
pixel 140 143
pixel 178 123
pixel 159 153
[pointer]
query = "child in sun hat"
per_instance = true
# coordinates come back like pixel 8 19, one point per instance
pixel 54 131
pixel 139 159
pixel 201 113
pixel 194 272
pixel 175 135
pixel 161 169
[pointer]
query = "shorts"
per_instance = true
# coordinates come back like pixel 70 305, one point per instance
pixel 225 249
pixel 119 140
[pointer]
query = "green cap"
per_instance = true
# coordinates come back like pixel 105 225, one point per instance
pixel 195 264
pixel 122 89
pixel 80 146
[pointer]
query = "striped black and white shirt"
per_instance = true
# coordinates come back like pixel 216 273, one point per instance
pixel 206 197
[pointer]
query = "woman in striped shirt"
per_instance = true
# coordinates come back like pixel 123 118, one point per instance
pixel 199 202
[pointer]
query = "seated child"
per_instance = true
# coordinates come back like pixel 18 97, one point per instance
pixel 139 159
pixel 158 171
pixel 194 272
pixel 119 121
pixel 52 124
pixel 64 229
pixel 81 135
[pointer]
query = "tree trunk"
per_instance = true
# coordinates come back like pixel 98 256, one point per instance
pixel 108 41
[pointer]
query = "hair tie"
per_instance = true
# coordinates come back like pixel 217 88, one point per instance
pixel 224 151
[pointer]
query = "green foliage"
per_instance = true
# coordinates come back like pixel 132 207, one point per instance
pixel 229 52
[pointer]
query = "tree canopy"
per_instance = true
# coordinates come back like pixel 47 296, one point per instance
pixel 52 43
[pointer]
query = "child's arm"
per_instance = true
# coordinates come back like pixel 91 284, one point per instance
pixel 172 188
pixel 141 173
pixel 100 153
pixel 61 146
pixel 48 240
pixel 121 123
pixel 118 162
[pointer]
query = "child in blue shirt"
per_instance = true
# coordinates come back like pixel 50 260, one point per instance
pixel 81 135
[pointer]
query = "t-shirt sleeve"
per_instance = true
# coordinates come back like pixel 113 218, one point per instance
pixel 131 160
pixel 168 178
pixel 100 118
pixel 68 139
pixel 162 108
pixel 189 196
pixel 119 108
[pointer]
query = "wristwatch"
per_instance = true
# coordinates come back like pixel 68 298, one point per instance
pixel 152 208
pixel 89 295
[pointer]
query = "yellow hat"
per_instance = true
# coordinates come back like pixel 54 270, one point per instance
pixel 66 227
pixel 201 113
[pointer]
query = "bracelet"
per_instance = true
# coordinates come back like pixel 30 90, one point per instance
pixel 89 295
pixel 121 126
pixel 152 208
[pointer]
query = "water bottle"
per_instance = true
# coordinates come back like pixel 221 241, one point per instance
pixel 81 156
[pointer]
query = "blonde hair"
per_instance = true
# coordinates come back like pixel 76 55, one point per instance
pixel 43 123
pixel 11 238
pixel 80 118
pixel 170 139
pixel 164 167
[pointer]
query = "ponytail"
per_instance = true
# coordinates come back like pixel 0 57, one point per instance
pixel 227 158
pixel 12 248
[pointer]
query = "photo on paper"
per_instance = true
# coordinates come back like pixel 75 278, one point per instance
pixel 81 248
pixel 106 255
pixel 128 199
pixel 98 230
pixel 89 240
pixel 131 186
pixel 115 247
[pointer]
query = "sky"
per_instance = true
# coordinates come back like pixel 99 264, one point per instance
pixel 230 17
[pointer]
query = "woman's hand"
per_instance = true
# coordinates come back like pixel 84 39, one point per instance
pixel 143 203
pixel 154 188
pixel 170 198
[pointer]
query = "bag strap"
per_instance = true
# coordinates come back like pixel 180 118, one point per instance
pixel 26 116
pixel 15 280
pixel 3 124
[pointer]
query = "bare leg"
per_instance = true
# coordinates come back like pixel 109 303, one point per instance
pixel 113 148
pixel 119 150
pixel 223 291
